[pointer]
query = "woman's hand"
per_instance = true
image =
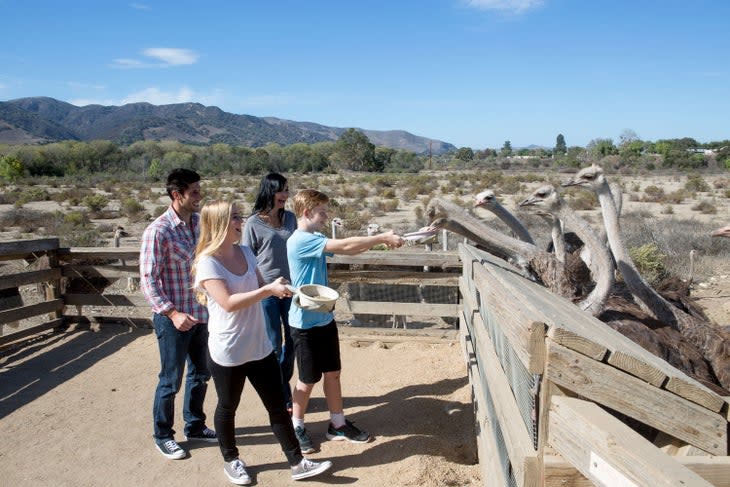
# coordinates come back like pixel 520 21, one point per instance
pixel 278 288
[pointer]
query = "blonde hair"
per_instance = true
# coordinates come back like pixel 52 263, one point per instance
pixel 306 199
pixel 215 217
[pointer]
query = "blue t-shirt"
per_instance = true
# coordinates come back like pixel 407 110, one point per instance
pixel 307 265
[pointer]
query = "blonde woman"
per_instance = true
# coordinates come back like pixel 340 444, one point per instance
pixel 227 280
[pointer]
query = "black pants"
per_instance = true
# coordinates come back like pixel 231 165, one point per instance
pixel 265 377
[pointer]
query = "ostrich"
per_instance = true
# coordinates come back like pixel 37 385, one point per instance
pixel 548 199
pixel 336 222
pixel 534 263
pixel 713 342
pixel 372 229
pixel 486 199
pixel 722 232
pixel 119 233
pixel 618 312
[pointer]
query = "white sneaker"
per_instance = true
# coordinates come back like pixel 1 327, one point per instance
pixel 236 472
pixel 308 468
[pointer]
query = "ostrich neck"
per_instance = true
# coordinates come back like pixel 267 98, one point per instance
pixel 657 305
pixel 496 242
pixel 600 263
pixel 556 233
pixel 512 222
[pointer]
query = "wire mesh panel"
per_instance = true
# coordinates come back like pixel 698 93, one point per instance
pixel 524 385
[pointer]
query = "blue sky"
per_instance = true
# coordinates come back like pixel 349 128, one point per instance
pixel 470 72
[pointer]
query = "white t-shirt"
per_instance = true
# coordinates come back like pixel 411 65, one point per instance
pixel 237 337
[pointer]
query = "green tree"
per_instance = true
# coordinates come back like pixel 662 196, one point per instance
pixel 560 147
pixel 506 148
pixel 465 154
pixel 11 168
pixel 353 150
pixel 600 148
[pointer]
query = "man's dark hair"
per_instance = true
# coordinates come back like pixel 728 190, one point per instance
pixel 180 179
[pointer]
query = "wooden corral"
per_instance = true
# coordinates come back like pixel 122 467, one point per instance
pixel 561 399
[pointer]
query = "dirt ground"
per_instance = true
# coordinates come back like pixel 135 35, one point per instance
pixel 75 410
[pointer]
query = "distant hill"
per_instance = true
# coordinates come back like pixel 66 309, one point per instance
pixel 43 119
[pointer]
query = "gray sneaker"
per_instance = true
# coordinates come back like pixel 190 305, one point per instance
pixel 236 472
pixel 206 434
pixel 305 442
pixel 170 449
pixel 308 468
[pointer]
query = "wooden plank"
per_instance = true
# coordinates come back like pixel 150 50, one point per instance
pixel 610 453
pixel 467 296
pixel 414 309
pixel 558 312
pixel 523 457
pixel 101 253
pixel 29 277
pixel 486 438
pixel 22 312
pixel 108 271
pixel 105 300
pixel 637 367
pixel 21 248
pixel 577 342
pixel 399 258
pixel 660 409
pixel 559 473
pixel 26 332
pixel 525 335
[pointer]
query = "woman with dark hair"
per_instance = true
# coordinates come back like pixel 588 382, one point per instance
pixel 266 232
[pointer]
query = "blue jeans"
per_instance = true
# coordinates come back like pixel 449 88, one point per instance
pixel 177 348
pixel 277 318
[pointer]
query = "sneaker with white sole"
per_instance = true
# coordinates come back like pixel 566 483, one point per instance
pixel 348 432
pixel 308 468
pixel 236 472
pixel 305 441
pixel 206 434
pixel 170 449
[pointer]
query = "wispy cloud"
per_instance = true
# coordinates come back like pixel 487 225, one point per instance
pixel 511 6
pixel 139 6
pixel 157 96
pixel 166 57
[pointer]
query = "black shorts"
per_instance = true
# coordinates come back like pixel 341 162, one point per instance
pixel 317 351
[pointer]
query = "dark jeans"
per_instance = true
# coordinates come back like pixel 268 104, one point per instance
pixel 177 348
pixel 277 318
pixel 266 380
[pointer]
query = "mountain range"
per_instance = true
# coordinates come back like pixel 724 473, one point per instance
pixel 38 120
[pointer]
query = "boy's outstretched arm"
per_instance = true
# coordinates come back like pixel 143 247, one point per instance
pixel 356 245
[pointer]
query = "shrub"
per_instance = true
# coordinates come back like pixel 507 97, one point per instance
pixel 705 207
pixel 95 202
pixel 649 261
pixel 695 183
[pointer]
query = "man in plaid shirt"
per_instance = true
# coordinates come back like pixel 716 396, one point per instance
pixel 180 322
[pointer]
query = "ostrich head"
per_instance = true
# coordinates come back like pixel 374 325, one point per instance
pixel 119 232
pixel 337 222
pixel 545 198
pixel 485 199
pixel 722 232
pixel 372 228
pixel 590 177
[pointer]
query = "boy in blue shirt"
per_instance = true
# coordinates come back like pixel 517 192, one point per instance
pixel 314 333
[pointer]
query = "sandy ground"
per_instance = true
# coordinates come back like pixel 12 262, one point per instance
pixel 75 410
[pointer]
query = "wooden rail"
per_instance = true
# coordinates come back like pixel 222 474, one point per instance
pixel 586 376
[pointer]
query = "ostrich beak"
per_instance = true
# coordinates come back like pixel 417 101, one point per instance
pixel 528 202
pixel 722 232
pixel 572 182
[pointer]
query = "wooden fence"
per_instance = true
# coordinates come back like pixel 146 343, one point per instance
pixel 99 290
pixel 549 380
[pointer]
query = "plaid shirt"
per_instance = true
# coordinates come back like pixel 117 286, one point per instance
pixel 168 249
